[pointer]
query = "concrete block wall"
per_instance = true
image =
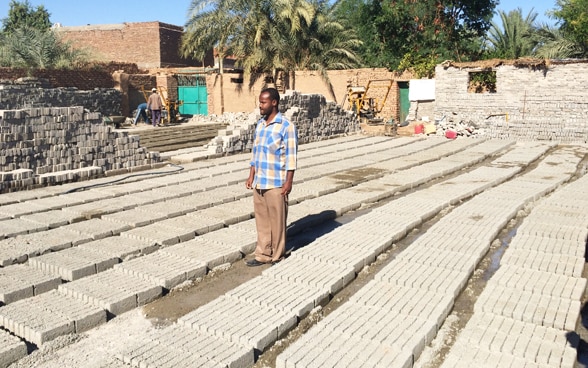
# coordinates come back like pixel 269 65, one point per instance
pixel 40 146
pixel 531 103
pixel 106 101
pixel 314 117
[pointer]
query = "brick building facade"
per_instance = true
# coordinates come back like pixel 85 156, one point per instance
pixel 147 44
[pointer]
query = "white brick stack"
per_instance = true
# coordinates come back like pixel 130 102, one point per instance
pixel 49 145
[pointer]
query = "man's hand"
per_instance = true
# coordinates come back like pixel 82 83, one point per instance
pixel 249 182
pixel 287 188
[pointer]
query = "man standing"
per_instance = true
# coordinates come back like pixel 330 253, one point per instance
pixel 154 104
pixel 271 174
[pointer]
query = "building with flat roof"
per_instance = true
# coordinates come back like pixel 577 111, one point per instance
pixel 147 44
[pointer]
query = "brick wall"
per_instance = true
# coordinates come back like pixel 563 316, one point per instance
pixel 242 97
pixel 148 44
pixel 42 146
pixel 18 96
pixel 546 102
pixel 311 82
pixel 98 75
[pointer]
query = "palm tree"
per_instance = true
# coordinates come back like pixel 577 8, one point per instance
pixel 513 38
pixel 31 48
pixel 552 43
pixel 268 37
pixel 323 44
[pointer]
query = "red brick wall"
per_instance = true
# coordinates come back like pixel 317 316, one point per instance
pixel 148 44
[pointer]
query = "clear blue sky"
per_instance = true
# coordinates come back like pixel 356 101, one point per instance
pixel 83 12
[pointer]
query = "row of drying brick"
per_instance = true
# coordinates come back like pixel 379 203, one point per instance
pixel 78 262
pixel 123 303
pixel 164 231
pixel 321 269
pixel 202 169
pixel 532 303
pixel 208 177
pixel 419 289
pixel 41 214
pixel 139 210
pixel 137 247
pixel 258 312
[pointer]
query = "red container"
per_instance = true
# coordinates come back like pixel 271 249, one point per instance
pixel 419 128
pixel 451 134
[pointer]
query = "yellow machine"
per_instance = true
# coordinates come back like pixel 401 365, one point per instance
pixel 368 101
pixel 170 112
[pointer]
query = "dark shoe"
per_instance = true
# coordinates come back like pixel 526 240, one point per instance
pixel 254 263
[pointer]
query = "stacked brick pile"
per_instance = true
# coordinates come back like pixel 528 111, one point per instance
pixel 40 146
pixel 106 101
pixel 541 129
pixel 315 118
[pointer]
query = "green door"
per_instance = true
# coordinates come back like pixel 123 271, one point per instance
pixel 192 91
pixel 404 101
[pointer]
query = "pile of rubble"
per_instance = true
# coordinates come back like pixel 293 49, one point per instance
pixel 459 129
pixel 446 128
pixel 229 118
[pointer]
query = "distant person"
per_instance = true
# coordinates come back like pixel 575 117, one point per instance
pixel 155 104
pixel 141 113
pixel 271 174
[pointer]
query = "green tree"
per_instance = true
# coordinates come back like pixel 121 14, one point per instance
pixel 320 43
pixel 27 41
pixel 31 48
pixel 572 15
pixel 514 37
pixel 552 43
pixel 423 30
pixel 22 14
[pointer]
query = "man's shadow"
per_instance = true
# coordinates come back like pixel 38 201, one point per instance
pixel 574 338
pixel 577 342
pixel 304 231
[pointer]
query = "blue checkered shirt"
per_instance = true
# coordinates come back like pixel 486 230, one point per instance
pixel 275 150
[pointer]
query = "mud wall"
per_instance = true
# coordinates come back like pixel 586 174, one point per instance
pixel 99 75
pixel 547 102
pixel 235 93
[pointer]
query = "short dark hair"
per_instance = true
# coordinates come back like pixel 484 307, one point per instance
pixel 273 94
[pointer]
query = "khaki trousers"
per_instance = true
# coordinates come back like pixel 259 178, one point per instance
pixel 271 212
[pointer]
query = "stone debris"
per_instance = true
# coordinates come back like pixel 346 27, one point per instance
pixel 444 127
